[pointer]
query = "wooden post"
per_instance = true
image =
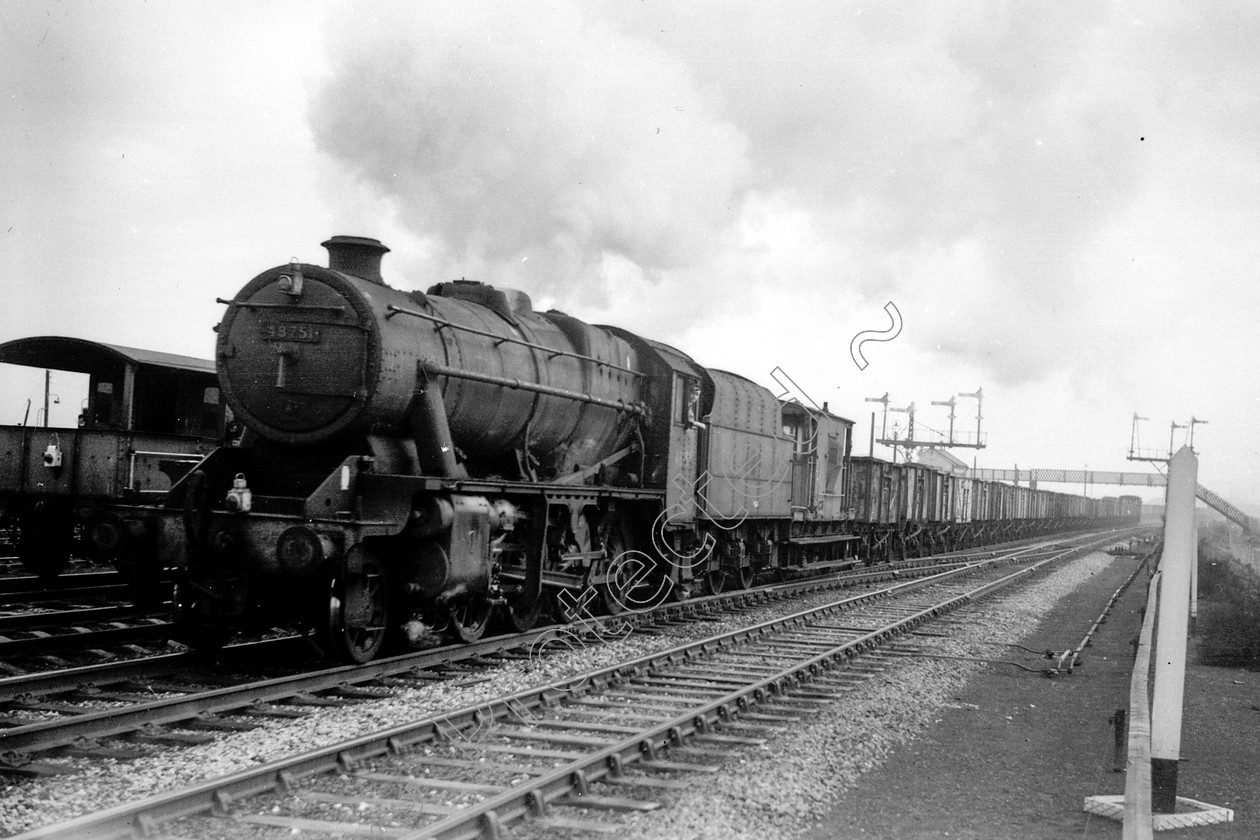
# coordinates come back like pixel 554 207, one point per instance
pixel 1120 729
pixel 1180 546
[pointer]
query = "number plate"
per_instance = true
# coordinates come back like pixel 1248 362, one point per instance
pixel 291 331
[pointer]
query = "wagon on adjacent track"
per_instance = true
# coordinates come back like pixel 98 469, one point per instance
pixel 148 417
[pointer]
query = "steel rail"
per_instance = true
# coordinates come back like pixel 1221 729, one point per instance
pixel 92 614
pixel 111 590
pixel 83 637
pixel 70 679
pixel 216 795
pixel 76 585
pixel 112 722
pixel 107 723
pixel 532 796
pixel 1070 658
pixel 44 683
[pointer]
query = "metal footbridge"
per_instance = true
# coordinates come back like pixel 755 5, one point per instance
pixel 1032 477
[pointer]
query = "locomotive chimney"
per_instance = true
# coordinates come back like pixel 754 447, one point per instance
pixel 357 255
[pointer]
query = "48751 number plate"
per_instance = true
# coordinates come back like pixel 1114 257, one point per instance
pixel 290 331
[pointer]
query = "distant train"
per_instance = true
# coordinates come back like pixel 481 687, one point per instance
pixel 913 509
pixel 416 462
pixel 148 418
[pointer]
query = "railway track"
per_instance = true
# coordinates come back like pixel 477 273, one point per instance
pixel 175 698
pixel 94 611
pixel 92 624
pixel 150 695
pixel 27 588
pixel 731 690
pixel 102 618
pixel 99 612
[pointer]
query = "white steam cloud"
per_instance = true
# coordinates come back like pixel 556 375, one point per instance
pixel 972 163
pixel 533 144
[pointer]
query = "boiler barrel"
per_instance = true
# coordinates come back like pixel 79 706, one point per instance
pixel 308 353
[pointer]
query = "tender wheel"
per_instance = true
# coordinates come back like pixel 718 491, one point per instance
pixel 469 618
pixel 635 581
pixel 358 613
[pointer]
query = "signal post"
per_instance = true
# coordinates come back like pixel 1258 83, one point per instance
pixel 1180 548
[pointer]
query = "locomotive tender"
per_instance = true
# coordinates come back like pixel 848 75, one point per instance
pixel 415 462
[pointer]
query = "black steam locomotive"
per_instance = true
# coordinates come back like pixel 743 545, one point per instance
pixel 415 463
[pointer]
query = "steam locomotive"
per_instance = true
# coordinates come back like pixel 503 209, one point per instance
pixel 417 463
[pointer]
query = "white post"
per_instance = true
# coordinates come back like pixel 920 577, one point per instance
pixel 1194 581
pixel 1180 547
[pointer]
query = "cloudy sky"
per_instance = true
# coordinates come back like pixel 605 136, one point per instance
pixel 1062 200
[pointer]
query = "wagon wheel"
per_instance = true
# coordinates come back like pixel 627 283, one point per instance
pixel 469 617
pixel 745 576
pixel 358 613
pixel 46 540
pixel 897 549
pixel 713 579
pixel 193 622
pixel 107 540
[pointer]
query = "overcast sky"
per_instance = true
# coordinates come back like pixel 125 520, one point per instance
pixel 1062 200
